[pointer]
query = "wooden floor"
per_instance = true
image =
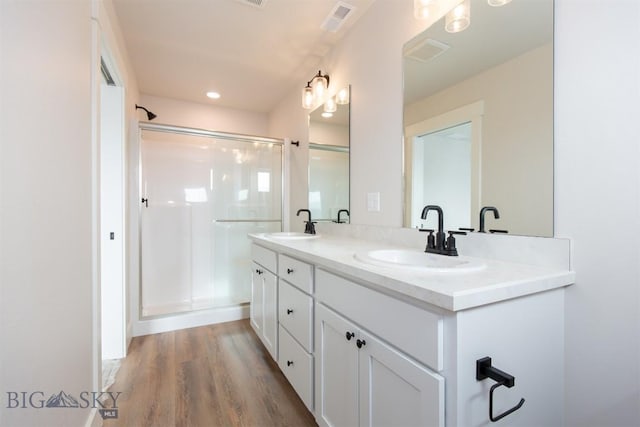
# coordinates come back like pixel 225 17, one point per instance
pixel 218 375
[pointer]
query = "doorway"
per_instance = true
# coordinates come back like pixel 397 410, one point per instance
pixel 112 227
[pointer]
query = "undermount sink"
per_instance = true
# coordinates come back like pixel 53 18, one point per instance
pixel 418 260
pixel 291 235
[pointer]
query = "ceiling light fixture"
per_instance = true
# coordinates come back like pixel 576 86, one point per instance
pixel 423 9
pixel 459 18
pixel 315 90
pixel 213 95
pixel 498 3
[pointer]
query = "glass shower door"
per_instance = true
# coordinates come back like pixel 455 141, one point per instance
pixel 202 196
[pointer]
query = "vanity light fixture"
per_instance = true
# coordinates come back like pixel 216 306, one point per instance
pixel 327 115
pixel 498 3
pixel 315 90
pixel 307 97
pixel 459 18
pixel 423 9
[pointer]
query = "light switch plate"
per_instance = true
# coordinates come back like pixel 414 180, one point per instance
pixel 373 202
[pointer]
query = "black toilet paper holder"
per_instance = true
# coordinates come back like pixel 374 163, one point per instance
pixel 485 370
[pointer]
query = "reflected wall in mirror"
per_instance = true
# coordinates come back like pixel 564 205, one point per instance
pixel 478 120
pixel 329 162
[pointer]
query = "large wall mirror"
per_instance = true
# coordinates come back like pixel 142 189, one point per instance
pixel 329 162
pixel 478 120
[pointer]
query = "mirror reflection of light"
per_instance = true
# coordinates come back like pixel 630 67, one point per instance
pixel 315 200
pixel 264 182
pixel 327 115
pixel 243 195
pixel 195 195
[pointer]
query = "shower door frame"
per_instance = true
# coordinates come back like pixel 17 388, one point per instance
pixel 163 322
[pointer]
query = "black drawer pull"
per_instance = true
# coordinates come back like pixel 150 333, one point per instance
pixel 289 270
pixel 289 311
pixel 259 271
pixel 360 343
pixel 289 362
pixel 350 335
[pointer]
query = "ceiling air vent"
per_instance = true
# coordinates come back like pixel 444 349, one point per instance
pixel 255 3
pixel 338 16
pixel 425 50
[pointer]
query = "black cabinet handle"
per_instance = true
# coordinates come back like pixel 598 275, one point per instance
pixel 146 202
pixel 350 335
pixel 360 343
pixel 259 271
pixel 289 362
pixel 289 270
pixel 289 311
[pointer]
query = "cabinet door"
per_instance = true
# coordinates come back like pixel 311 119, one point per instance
pixel 336 370
pixel 255 310
pixel 270 313
pixel 395 391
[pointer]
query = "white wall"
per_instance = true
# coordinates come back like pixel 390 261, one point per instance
pixel 597 188
pixel 597 183
pixel 46 216
pixel 203 116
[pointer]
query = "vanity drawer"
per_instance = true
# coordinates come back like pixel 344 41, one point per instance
pixel 414 330
pixel 297 366
pixel 265 257
pixel 295 312
pixel 296 272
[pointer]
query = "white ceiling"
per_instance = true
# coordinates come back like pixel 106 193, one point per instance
pixel 253 56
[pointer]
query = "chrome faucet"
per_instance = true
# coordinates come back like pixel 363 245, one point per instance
pixel 437 244
pixel 309 227
pixel 339 212
pixel 484 210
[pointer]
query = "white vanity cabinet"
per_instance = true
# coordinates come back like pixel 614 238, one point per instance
pixel 380 347
pixel 264 298
pixel 295 314
pixel 361 380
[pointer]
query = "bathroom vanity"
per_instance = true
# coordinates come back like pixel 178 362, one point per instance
pixel 371 338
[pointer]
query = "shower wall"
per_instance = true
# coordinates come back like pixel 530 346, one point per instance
pixel 202 195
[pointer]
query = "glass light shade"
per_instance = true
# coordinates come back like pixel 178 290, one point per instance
pixel 330 105
pixel 342 97
pixel 458 18
pixel 319 84
pixel 423 9
pixel 307 97
pixel 498 2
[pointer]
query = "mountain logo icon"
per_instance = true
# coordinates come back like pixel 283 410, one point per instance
pixel 62 400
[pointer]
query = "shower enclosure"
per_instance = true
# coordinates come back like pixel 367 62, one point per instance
pixel 202 192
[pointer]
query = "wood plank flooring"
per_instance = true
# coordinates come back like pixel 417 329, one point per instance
pixel 218 375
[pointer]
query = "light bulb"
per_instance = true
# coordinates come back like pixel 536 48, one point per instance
pixel 458 18
pixel 342 97
pixel 423 9
pixel 307 97
pixel 330 105
pixel 320 85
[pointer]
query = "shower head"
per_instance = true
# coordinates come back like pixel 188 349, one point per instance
pixel 150 115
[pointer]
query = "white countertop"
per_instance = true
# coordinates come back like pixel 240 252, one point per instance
pixel 453 291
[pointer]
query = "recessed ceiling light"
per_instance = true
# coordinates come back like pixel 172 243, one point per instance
pixel 213 95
